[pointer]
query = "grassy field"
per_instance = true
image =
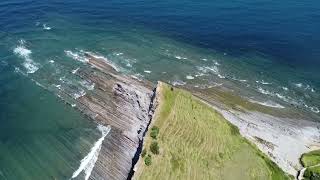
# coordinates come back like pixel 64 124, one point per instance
pixel 196 142
pixel 311 160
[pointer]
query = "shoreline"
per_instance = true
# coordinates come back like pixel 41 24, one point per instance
pixel 283 140
pixel 140 167
pixel 273 135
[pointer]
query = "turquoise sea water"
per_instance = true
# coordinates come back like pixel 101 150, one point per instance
pixel 265 51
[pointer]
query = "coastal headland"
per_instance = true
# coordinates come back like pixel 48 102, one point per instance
pixel 228 136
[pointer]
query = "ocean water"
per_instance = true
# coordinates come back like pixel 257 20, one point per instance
pixel 263 50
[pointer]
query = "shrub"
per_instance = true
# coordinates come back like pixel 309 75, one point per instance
pixel 154 132
pixel 147 160
pixel 144 153
pixel 154 147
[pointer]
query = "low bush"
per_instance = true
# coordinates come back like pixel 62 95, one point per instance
pixel 154 132
pixel 144 153
pixel 147 160
pixel 154 147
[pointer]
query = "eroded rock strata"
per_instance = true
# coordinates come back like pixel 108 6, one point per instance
pixel 121 102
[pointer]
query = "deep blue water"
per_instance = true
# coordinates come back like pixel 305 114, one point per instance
pixel 268 49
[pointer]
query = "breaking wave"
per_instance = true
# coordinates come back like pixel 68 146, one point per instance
pixel 178 83
pixel 25 53
pixel 79 56
pixel 88 162
pixel 290 100
pixel 213 69
pixel 263 82
pixel 189 77
pixel 180 57
pixel 105 59
pixel 306 87
pixel 79 94
pixel 75 70
pixel 138 76
pixel 268 103
pixel 87 84
pixel 46 27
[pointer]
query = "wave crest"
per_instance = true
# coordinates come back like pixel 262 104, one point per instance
pixel 88 162
pixel 24 53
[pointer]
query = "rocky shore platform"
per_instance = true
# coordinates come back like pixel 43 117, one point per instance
pixel 122 103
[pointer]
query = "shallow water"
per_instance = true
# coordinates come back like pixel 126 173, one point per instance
pixel 266 51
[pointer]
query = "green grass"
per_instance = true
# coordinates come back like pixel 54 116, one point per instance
pixel 154 132
pixel 196 142
pixel 312 173
pixel 311 161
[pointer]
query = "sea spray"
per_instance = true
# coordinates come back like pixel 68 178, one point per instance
pixel 77 56
pixel 25 53
pixel 88 162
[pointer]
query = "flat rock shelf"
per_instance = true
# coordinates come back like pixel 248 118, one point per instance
pixel 122 103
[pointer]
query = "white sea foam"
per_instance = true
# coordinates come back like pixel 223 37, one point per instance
pixel 38 84
pixel 305 87
pixel 105 59
pixel 79 94
pixel 214 84
pixel 88 162
pixel 263 91
pixel 268 103
pixel 25 53
pixel 278 95
pixel 199 74
pixel 75 70
pixel 213 69
pixel 87 84
pixel 221 76
pixel 285 88
pixel 51 61
pixel 204 59
pixel 138 77
pixel 118 54
pixel 46 27
pixel 18 70
pixel 189 77
pixel 263 82
pixel 79 56
pixel 58 86
pixel 315 109
pixel 178 83
pixel 180 57
pixel 299 85
pixel 240 80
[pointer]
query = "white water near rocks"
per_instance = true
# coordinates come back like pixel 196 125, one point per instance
pixel 88 162
pixel 25 53
pixel 300 177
